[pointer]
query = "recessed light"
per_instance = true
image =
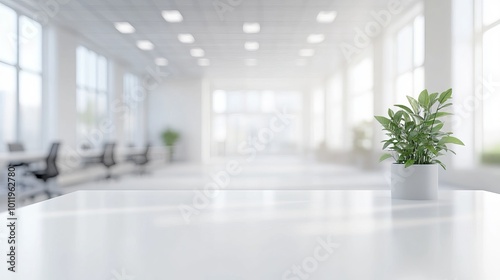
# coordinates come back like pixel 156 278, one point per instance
pixel 145 45
pixel 315 38
pixel 251 27
pixel 172 15
pixel 186 38
pixel 203 62
pixel 306 52
pixel 252 46
pixel 161 61
pixel 250 62
pixel 197 52
pixel 124 27
pixel 326 16
pixel 301 62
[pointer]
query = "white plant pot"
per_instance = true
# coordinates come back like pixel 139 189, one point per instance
pixel 417 182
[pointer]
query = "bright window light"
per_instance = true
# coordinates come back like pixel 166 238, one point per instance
pixel 252 46
pixel 197 52
pixel 161 61
pixel 124 27
pixel 172 16
pixel 145 45
pixel 203 62
pixel 315 38
pixel 326 16
pixel 251 27
pixel 306 52
pixel 186 38
pixel 250 62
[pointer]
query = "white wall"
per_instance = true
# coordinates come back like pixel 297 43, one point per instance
pixel 177 104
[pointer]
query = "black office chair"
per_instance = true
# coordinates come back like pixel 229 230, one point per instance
pixel 17 147
pixel 141 160
pixel 50 171
pixel 108 158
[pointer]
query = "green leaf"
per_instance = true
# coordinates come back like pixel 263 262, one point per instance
pixel 409 163
pixel 413 103
pixel 383 120
pixel 390 113
pixel 424 99
pixel 384 157
pixel 445 96
pixel 437 127
pixel 404 108
pixel 440 163
pixel 451 140
pixel 433 97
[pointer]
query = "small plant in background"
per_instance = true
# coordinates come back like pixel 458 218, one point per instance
pixel 415 134
pixel 170 137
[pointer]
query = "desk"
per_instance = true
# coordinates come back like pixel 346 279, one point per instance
pixel 262 235
pixel 6 158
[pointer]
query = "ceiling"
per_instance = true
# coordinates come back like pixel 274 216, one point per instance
pixel 285 25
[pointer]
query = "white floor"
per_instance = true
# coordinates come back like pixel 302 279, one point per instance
pixel 289 174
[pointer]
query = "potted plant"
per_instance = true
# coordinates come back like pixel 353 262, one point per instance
pixel 416 141
pixel 170 137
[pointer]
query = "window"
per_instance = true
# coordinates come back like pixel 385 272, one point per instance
pixel 21 80
pixel 318 119
pixel 240 116
pixel 491 74
pixel 92 97
pixel 335 111
pixel 360 98
pixel 133 118
pixel 410 53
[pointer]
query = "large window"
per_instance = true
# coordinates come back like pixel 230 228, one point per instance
pixel 21 79
pixel 241 118
pixel 133 96
pixel 491 74
pixel 92 98
pixel 410 53
pixel 334 116
pixel 360 98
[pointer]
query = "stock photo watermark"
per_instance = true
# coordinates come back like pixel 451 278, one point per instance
pixel 363 36
pixel 121 275
pixel 224 6
pixel 249 149
pixel 309 265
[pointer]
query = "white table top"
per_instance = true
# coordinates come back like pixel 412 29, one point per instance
pixel 258 235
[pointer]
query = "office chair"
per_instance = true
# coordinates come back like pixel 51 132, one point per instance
pixel 108 158
pixel 141 160
pixel 50 171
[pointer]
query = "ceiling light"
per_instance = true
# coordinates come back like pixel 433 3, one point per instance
pixel 203 62
pixel 301 62
pixel 197 52
pixel 251 27
pixel 161 61
pixel 172 16
pixel 186 38
pixel 145 45
pixel 315 38
pixel 124 27
pixel 326 16
pixel 250 62
pixel 252 46
pixel 306 52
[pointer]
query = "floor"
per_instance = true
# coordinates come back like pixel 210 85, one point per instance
pixel 260 175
